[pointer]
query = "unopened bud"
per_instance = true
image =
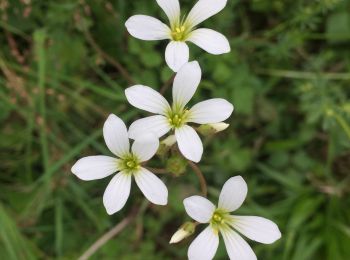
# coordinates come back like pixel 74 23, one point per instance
pixel 166 144
pixel 210 129
pixel 183 232
pixel 176 165
pixel 169 141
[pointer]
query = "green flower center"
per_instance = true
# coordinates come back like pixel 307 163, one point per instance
pixel 180 32
pixel 177 118
pixel 130 163
pixel 219 219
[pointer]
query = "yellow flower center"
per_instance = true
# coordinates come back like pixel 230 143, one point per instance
pixel 219 219
pixel 179 33
pixel 129 163
pixel 177 118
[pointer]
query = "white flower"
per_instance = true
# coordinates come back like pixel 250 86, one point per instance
pixel 231 198
pixel 181 30
pixel 128 164
pixel 177 116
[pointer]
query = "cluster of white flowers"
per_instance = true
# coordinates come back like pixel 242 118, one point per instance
pixel 175 118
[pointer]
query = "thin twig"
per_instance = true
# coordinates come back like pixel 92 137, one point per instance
pixel 167 84
pixel 108 58
pixel 14 47
pixel 200 176
pixel 139 221
pixel 109 235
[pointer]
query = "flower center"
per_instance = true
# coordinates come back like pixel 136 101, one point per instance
pixel 219 219
pixel 179 33
pixel 177 119
pixel 129 163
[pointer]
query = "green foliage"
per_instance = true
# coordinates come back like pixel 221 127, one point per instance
pixel 289 137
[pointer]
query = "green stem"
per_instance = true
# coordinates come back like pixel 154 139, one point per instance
pixel 39 38
pixel 303 74
pixel 342 123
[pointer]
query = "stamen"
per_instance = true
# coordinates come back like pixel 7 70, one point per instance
pixel 217 217
pixel 179 33
pixel 130 163
pixel 177 116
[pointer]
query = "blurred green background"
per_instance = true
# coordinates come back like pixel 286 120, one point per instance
pixel 288 75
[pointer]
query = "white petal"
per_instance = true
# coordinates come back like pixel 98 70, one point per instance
pixel 189 143
pixel 152 187
pixel 176 55
pixel 145 147
pixel 236 246
pixel 210 41
pixel 186 82
pixel 210 111
pixel 157 125
pixel 95 167
pixel 233 193
pixel 171 9
pixel 199 208
pixel 204 246
pixel 204 9
pixel 116 135
pixel 117 193
pixel 147 99
pixel 257 228
pixel 147 28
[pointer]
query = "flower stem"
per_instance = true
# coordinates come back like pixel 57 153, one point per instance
pixel 201 178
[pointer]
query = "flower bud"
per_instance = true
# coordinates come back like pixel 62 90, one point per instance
pixel 176 165
pixel 169 141
pixel 183 232
pixel 210 129
pixel 166 144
